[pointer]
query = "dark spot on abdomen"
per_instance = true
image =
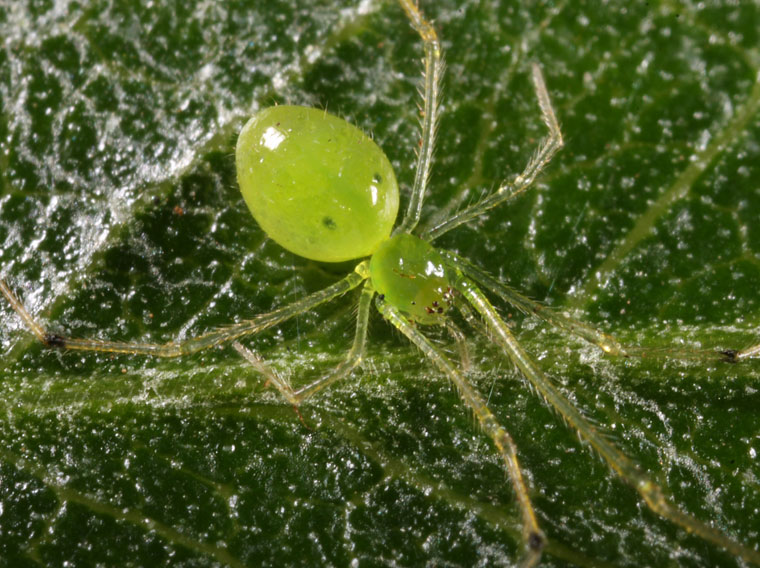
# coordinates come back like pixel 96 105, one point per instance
pixel 329 223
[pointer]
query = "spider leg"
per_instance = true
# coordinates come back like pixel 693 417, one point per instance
pixel 749 353
pixel 533 538
pixel 606 342
pixel 508 190
pixel 625 468
pixel 431 80
pixel 193 344
pixel 353 358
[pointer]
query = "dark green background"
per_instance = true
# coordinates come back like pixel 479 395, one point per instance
pixel 120 218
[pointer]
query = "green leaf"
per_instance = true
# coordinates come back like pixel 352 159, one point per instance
pixel 120 218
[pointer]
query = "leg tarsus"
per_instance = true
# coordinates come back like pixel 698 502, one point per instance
pixel 536 541
pixel 729 355
pixel 534 546
pixel 54 340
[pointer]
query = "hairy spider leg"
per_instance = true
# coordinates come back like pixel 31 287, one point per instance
pixel 625 468
pixel 606 342
pixel 508 190
pixel 431 78
pixel 193 344
pixel 352 360
pixel 532 536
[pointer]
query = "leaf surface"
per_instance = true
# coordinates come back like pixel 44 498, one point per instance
pixel 120 218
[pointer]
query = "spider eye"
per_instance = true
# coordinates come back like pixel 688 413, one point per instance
pixel 413 277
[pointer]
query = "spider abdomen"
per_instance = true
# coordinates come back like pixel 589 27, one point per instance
pixel 316 184
pixel 412 276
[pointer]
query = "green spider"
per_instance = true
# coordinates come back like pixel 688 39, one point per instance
pixel 348 213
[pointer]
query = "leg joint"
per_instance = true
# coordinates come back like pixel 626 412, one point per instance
pixel 54 340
